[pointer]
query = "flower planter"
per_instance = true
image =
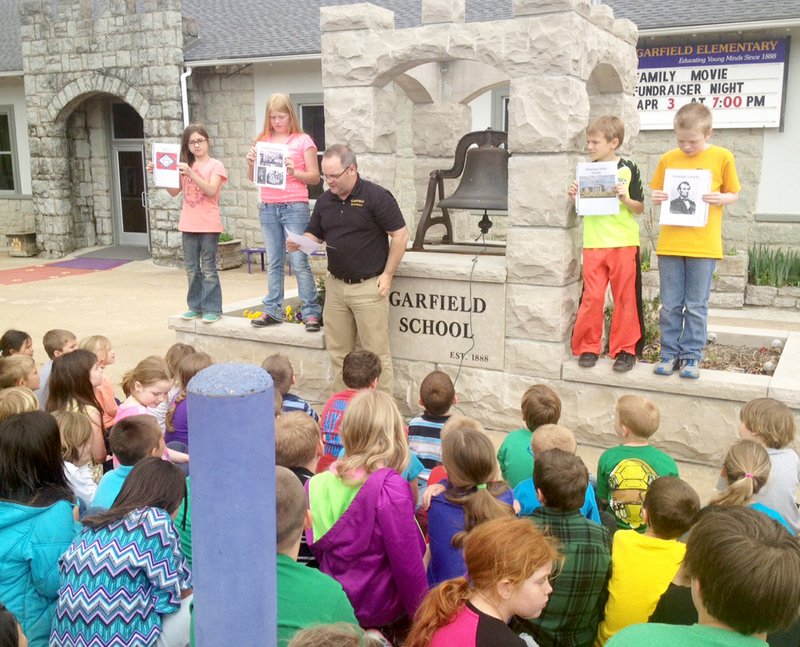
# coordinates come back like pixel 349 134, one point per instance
pixel 22 244
pixel 229 255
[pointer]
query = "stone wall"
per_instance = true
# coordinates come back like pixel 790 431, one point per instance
pixel 223 99
pixel 73 50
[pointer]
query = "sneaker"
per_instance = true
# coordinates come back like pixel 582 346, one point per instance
pixel 624 362
pixel 264 320
pixel 690 368
pixel 312 324
pixel 191 314
pixel 210 317
pixel 587 360
pixel 666 366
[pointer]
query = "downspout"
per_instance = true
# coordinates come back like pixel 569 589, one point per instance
pixel 185 95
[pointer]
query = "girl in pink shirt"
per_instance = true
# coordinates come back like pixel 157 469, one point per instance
pixel 202 178
pixel 509 563
pixel 287 209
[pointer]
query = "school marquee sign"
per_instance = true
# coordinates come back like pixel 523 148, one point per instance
pixel 742 82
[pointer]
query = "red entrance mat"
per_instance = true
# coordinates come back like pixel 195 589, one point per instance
pixel 38 273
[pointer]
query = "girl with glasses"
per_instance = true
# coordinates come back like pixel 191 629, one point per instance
pixel 200 224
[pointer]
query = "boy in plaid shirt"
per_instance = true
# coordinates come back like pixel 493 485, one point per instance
pixel 573 611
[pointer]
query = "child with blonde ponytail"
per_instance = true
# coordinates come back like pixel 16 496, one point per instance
pixel 473 493
pixel 364 533
pixel 746 469
pixel 509 564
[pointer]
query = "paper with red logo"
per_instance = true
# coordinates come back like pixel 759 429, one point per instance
pixel 165 165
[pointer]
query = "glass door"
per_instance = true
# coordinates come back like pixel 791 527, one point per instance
pixel 131 197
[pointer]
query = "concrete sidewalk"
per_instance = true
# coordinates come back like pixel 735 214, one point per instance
pixel 130 305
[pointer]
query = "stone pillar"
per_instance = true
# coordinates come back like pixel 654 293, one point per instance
pixel 232 417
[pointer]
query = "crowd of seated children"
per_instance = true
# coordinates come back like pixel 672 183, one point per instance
pixel 437 395
pixel 625 472
pixel 382 576
pixel 282 373
pixel 540 406
pixel 552 437
pixel 472 494
pixel 576 603
pixel 643 564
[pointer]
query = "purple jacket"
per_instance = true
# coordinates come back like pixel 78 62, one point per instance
pixel 375 550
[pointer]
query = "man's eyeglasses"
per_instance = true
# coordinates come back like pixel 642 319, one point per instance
pixel 197 142
pixel 328 178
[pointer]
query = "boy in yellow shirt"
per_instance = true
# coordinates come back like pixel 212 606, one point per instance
pixel 687 256
pixel 643 565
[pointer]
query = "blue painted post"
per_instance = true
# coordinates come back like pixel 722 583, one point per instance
pixel 232 422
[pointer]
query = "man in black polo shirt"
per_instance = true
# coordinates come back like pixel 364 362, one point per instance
pixel 357 219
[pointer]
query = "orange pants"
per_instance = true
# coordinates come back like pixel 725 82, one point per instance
pixel 620 267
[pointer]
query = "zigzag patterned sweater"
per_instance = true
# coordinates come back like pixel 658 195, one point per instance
pixel 117 581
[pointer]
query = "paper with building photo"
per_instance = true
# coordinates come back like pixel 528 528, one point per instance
pixel 684 205
pixel 165 165
pixel 596 195
pixel 270 167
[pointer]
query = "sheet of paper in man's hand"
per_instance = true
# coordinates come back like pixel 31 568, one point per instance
pixel 307 245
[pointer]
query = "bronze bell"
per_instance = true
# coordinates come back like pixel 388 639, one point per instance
pixel 484 184
pixel 481 163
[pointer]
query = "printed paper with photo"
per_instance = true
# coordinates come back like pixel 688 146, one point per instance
pixel 684 206
pixel 596 194
pixel 270 167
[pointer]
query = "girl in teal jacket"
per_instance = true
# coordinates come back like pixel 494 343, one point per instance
pixel 36 520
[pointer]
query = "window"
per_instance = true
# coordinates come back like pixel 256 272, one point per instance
pixel 312 120
pixel 500 109
pixel 9 180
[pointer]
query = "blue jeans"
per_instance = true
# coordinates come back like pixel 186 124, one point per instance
pixel 294 216
pixel 200 260
pixel 685 285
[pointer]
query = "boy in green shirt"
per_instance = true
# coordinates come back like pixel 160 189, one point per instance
pixel 611 256
pixel 625 472
pixel 540 406
pixel 299 584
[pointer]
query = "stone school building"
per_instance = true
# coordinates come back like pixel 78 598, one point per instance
pixel 86 87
